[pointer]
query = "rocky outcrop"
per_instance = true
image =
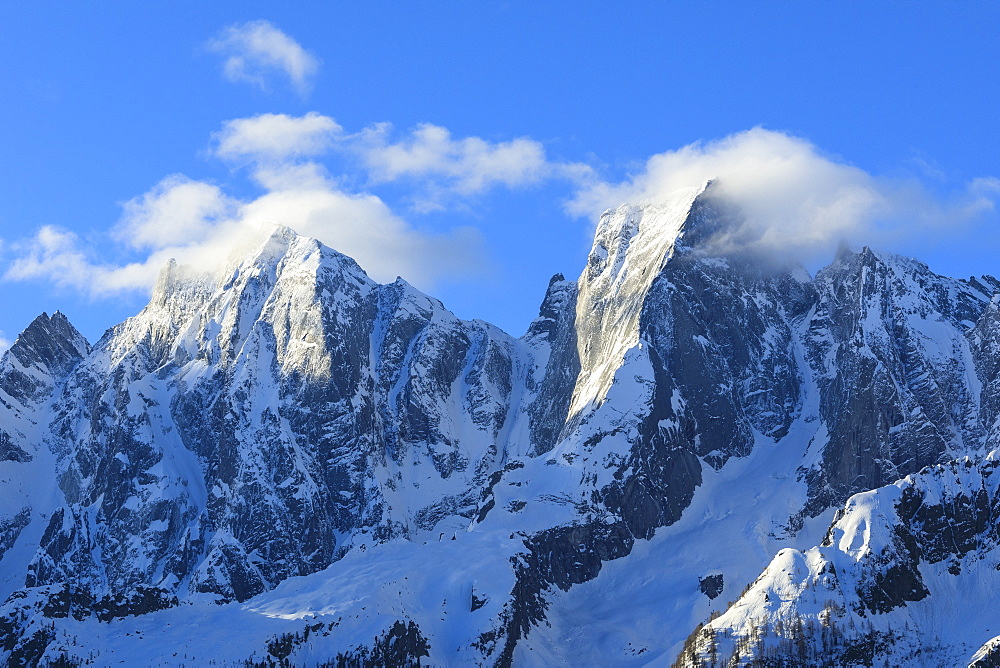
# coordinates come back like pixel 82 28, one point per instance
pixel 553 338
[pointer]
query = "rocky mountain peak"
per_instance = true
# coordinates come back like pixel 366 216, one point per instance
pixel 180 289
pixel 50 343
pixel 559 296
pixel 279 278
pixel 633 233
pixel 906 283
pixel 286 249
pixel 45 352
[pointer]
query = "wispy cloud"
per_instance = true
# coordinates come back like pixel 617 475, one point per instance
pixel 4 343
pixel 58 256
pixel 256 51
pixel 985 186
pixel 440 169
pixel 444 164
pixel 276 137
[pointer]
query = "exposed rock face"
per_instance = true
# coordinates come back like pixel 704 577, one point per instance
pixel 443 489
pixel 711 585
pixel 988 655
pixel 554 338
pixel 42 355
pixel 896 373
pixel 235 434
pixel 30 371
pixel 985 343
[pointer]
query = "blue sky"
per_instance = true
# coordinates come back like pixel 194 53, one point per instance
pixel 470 147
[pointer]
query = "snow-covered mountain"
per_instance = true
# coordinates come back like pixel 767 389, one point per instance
pixel 288 463
pixel 906 575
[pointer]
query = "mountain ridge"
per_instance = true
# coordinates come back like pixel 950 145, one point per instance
pixel 288 445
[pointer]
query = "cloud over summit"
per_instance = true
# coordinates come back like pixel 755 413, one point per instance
pixel 787 194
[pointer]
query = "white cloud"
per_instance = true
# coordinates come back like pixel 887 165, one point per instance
pixel 300 193
pixel 198 224
pixel 446 167
pixel 787 194
pixel 363 227
pixel 58 256
pixel 440 168
pixel 176 211
pixel 55 254
pixel 4 343
pixel 470 164
pixel 986 186
pixel 276 137
pixel 180 218
pixel 257 50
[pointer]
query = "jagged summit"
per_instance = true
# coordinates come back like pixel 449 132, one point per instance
pixel 648 229
pixel 910 283
pixel 47 350
pixel 631 246
pixel 267 256
pixel 52 342
pixel 180 284
pixel 194 313
pixel 560 295
pixel 284 247
pixel 874 258
pixel 31 370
